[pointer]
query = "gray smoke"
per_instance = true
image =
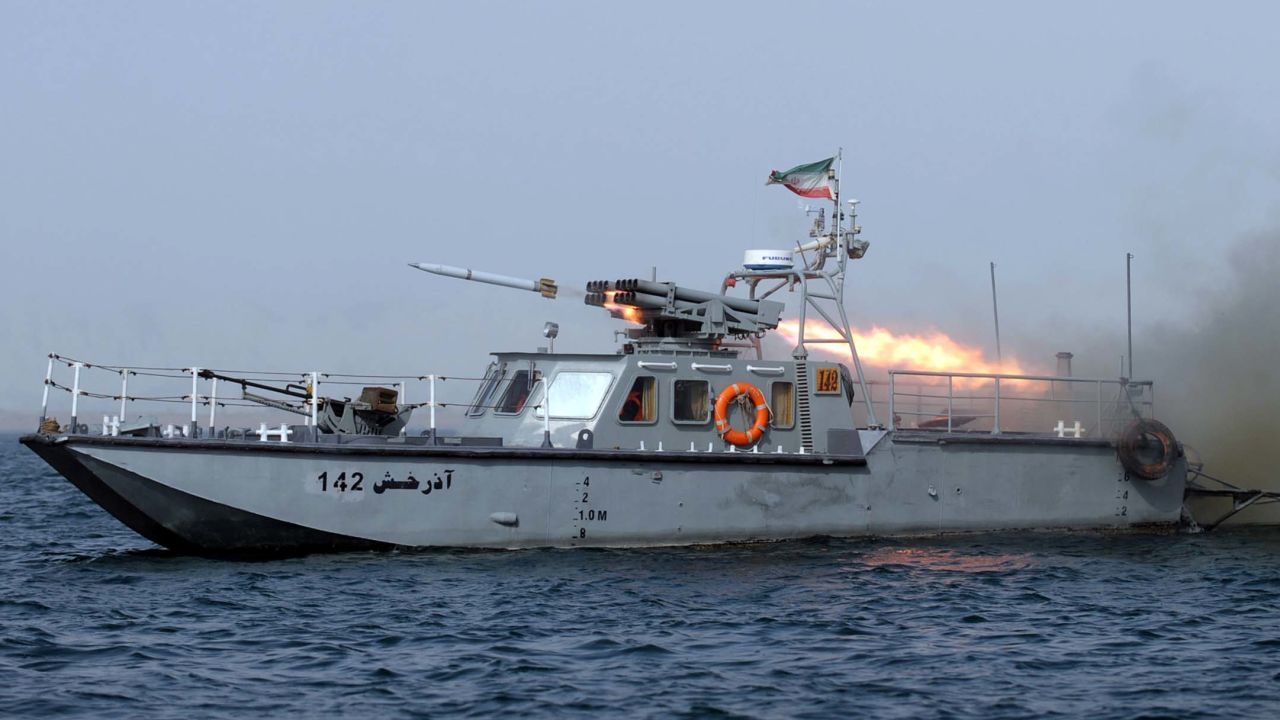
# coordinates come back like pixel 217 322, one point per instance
pixel 1218 381
pixel 1215 367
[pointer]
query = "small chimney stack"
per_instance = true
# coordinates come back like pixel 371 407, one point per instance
pixel 1064 364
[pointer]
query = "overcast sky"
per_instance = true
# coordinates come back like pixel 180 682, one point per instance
pixel 241 184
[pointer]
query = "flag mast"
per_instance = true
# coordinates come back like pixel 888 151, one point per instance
pixel 845 248
pixel 828 244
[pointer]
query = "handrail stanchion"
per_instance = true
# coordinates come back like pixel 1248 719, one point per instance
pixel 315 397
pixel 75 396
pixel 995 425
pixel 44 404
pixel 892 425
pixel 404 430
pixel 1099 409
pixel 124 391
pixel 432 404
pixel 213 403
pixel 950 398
pixel 195 399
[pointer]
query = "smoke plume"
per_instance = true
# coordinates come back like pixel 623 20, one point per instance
pixel 1218 382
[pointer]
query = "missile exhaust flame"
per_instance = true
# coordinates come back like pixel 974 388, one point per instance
pixel 630 313
pixel 882 348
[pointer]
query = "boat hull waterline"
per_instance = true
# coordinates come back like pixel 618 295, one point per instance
pixel 227 497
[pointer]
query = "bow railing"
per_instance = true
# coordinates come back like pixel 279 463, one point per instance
pixel 187 401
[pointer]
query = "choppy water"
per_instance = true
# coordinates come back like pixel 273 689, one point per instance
pixel 96 622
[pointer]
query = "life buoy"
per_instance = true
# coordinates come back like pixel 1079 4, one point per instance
pixel 732 435
pixel 1147 449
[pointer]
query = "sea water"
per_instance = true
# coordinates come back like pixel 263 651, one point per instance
pixel 96 622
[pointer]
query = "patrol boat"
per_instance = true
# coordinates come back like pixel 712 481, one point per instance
pixel 688 433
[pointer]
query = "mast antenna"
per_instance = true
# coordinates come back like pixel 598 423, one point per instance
pixel 995 309
pixel 1128 303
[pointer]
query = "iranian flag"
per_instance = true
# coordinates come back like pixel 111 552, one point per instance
pixel 806 180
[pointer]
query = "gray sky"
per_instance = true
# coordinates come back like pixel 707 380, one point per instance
pixel 241 184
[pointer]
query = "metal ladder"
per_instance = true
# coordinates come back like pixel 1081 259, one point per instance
pixel 1241 498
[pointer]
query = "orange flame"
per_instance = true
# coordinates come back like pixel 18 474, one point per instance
pixel 885 349
pixel 630 313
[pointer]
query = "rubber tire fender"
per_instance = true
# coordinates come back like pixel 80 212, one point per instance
pixel 1130 443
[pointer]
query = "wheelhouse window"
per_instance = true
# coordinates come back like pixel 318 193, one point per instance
pixel 577 395
pixel 641 403
pixel 492 376
pixel 782 401
pixel 516 395
pixel 691 401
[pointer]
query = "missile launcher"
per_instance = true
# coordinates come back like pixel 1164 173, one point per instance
pixel 669 310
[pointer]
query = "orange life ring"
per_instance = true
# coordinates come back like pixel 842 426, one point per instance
pixel 739 437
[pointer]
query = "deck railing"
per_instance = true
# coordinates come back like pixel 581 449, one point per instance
pixel 174 387
pixel 998 403
pixel 913 400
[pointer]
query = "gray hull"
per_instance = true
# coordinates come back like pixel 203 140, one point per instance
pixel 228 497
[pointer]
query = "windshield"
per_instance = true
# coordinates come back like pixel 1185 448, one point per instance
pixel 490 381
pixel 577 395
